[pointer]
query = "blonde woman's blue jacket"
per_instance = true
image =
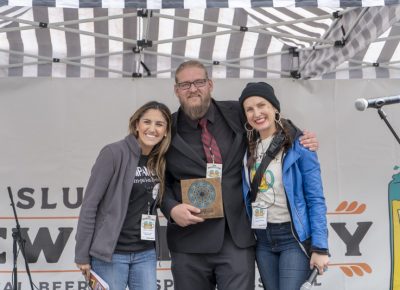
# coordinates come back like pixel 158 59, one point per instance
pixel 301 176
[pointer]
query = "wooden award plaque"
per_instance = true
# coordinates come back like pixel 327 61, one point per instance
pixel 205 194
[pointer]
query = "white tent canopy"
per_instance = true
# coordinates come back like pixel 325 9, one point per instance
pixel 239 39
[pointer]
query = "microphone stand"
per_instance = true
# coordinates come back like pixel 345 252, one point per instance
pixel 382 114
pixel 18 241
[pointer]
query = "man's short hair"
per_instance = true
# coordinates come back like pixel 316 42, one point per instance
pixel 190 63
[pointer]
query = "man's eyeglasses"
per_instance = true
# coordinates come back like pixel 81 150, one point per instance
pixel 197 83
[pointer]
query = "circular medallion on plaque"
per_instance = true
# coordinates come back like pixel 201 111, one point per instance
pixel 201 194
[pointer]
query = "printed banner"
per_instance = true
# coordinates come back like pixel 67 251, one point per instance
pixel 52 130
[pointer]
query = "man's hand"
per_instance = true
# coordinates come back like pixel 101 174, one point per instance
pixel 309 140
pixel 184 215
pixel 85 269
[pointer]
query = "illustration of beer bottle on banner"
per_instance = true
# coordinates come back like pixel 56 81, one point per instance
pixel 394 217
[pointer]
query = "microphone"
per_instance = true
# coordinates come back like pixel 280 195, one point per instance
pixel 310 281
pixel 362 104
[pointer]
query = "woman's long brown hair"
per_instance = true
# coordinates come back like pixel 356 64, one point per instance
pixel 156 162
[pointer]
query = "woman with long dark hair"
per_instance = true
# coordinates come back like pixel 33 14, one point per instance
pixel 115 235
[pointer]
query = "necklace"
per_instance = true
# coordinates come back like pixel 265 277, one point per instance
pixel 260 150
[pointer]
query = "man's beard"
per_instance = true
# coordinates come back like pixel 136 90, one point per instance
pixel 198 111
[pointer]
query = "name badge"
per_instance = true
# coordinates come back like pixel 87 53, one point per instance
pixel 214 170
pixel 148 227
pixel 259 216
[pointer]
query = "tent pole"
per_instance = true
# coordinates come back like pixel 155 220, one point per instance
pixel 15 65
pixel 239 28
pixel 68 58
pixel 204 22
pixel 249 68
pixel 371 64
pixel 210 62
pixel 50 60
pixel 355 22
pixel 67 29
pixel 10 29
pixel 360 67
pixel 276 34
pixel 95 19
pixel 211 34
pixel 64 23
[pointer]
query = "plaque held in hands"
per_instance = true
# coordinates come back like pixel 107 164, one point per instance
pixel 205 194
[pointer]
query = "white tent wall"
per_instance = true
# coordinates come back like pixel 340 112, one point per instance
pixel 52 130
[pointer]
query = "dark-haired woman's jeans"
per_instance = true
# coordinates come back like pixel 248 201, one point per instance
pixel 136 270
pixel 281 262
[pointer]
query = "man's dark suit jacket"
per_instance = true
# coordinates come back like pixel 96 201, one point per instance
pixel 184 163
